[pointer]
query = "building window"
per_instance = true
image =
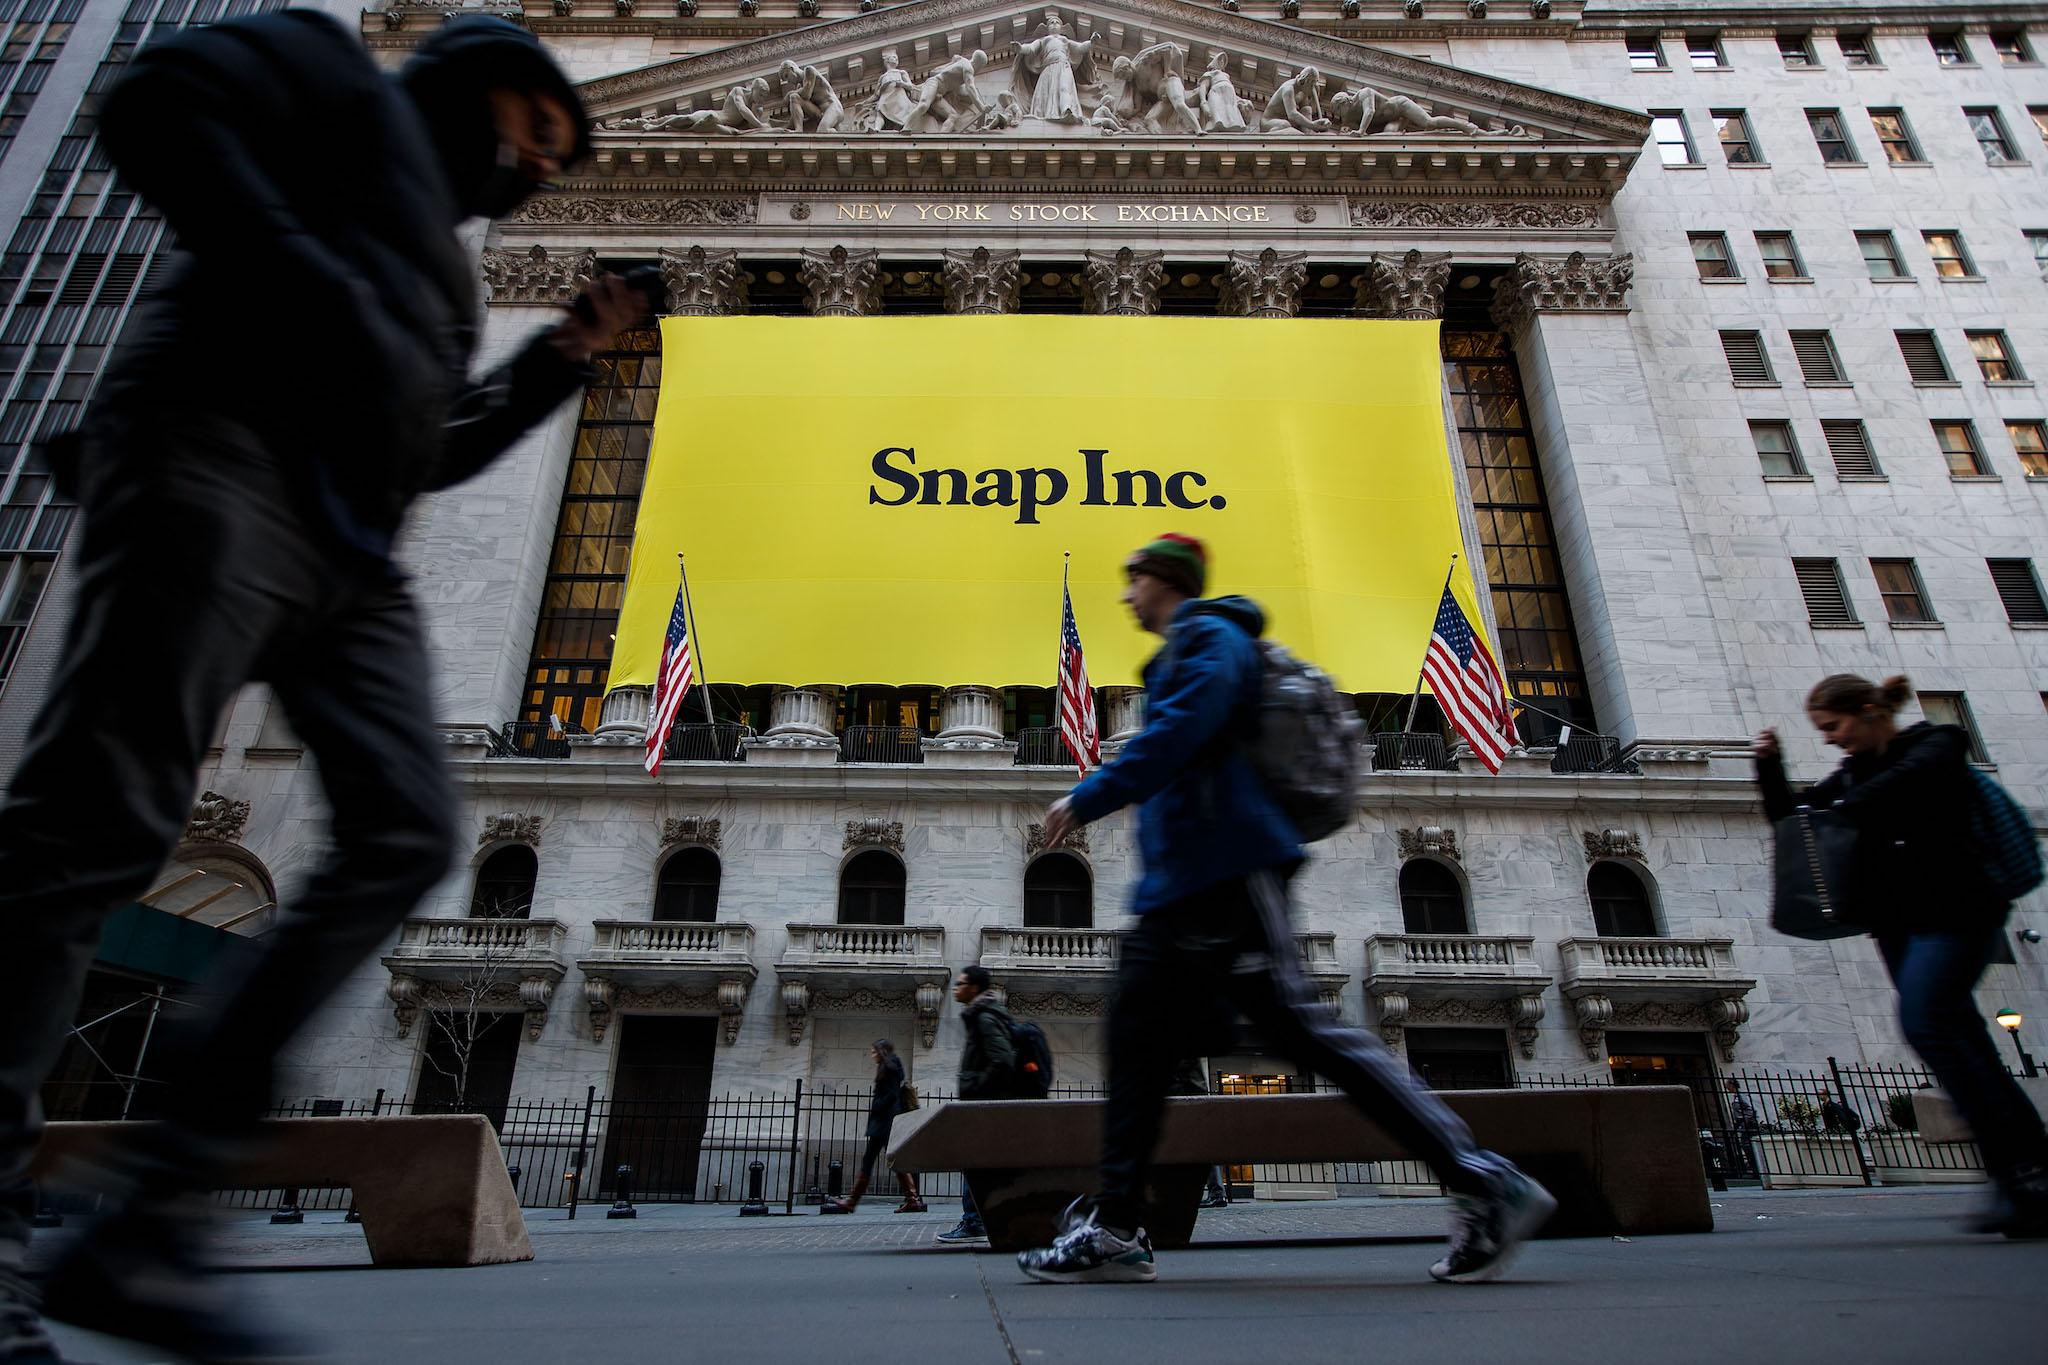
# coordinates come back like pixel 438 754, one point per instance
pixel 579 612
pixel 1703 50
pixel 1738 144
pixel 1797 50
pixel 1831 136
pixel 2030 442
pixel 1432 901
pixel 687 889
pixel 22 580
pixel 2037 240
pixel 1776 451
pixel 1539 648
pixel 1958 442
pixel 1895 135
pixel 1924 360
pixel 1747 363
pixel 1881 255
pixel 1674 141
pixel 1949 48
pixel 2039 113
pixel 1857 49
pixel 1058 893
pixel 871 889
pixel 1989 129
pixel 1818 363
pixel 1711 257
pixel 1781 256
pixel 1903 594
pixel 1827 596
pixel 1645 52
pixel 504 884
pixel 2019 588
pixel 1849 446
pixel 1952 708
pixel 1995 358
pixel 1621 903
pixel 1951 260
pixel 2011 46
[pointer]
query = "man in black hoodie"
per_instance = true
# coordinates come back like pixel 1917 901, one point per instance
pixel 244 471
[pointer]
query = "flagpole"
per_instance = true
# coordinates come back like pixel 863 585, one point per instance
pixel 696 640
pixel 1415 698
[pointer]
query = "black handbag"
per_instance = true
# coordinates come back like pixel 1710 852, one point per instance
pixel 1814 891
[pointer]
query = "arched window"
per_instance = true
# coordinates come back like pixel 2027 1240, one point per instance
pixel 871 890
pixel 688 887
pixel 1058 893
pixel 1621 902
pixel 1432 902
pixel 504 884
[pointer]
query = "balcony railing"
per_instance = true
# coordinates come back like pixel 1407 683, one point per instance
pixel 881 744
pixel 706 742
pixel 658 943
pixel 470 940
pixel 1607 963
pixel 1410 753
pixel 1040 747
pixel 1009 948
pixel 1587 754
pixel 1450 955
pixel 532 739
pixel 858 945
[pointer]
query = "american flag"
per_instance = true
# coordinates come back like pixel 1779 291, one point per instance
pixel 671 683
pixel 1468 684
pixel 1077 698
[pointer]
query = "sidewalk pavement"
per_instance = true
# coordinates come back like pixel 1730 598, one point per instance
pixel 1836 1275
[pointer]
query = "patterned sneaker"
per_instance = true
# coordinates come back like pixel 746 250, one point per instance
pixel 1486 1232
pixel 1088 1253
pixel 965 1231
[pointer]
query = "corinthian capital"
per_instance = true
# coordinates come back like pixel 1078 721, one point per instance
pixel 1266 285
pixel 533 276
pixel 842 283
pixel 703 283
pixel 1123 283
pixel 982 281
pixel 1571 284
pixel 1409 287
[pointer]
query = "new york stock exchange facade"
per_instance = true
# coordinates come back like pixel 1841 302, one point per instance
pixel 806 872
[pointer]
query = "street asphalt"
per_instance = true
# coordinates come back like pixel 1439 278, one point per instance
pixel 1838 1275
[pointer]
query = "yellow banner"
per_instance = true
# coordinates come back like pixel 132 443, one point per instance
pixel 887 500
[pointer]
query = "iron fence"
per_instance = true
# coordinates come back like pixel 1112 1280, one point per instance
pixel 1410 753
pixel 531 739
pixel 1040 747
pixel 708 742
pixel 1586 754
pixel 881 744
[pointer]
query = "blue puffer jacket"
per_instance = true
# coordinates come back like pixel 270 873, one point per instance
pixel 1205 815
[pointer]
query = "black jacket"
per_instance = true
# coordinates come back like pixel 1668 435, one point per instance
pixel 887 1102
pixel 988 1059
pixel 321 297
pixel 1921 871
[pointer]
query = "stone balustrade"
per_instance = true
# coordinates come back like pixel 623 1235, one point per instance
pixel 1453 956
pixel 864 968
pixel 463 966
pixel 1456 980
pixel 670 942
pixel 1656 960
pixel 1654 983
pixel 1008 947
pixel 668 966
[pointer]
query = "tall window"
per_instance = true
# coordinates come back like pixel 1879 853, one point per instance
pixel 1831 136
pixel 1895 135
pixel 1904 595
pixel 1796 50
pixel 1781 256
pixel 2011 46
pixel 1432 901
pixel 1738 143
pixel 1776 451
pixel 1747 362
pixel 1958 442
pixel 1711 257
pixel 687 889
pixel 1988 127
pixel 1951 258
pixel 1881 255
pixel 1674 141
pixel 1857 49
pixel 1058 893
pixel 2019 591
pixel 2030 442
pixel 1621 902
pixel 1849 447
pixel 871 889
pixel 1818 363
pixel 1645 52
pixel 2037 242
pixel 1538 644
pixel 1703 50
pixel 504 884
pixel 1949 48
pixel 1826 596
pixel 1995 358
pixel 1953 708
pixel 1924 360
pixel 579 612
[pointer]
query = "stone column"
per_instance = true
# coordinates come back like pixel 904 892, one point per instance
pixel 703 283
pixel 1126 707
pixel 1266 285
pixel 971 713
pixel 842 283
pixel 1653 653
pixel 802 712
pixel 1409 288
pixel 624 717
pixel 1123 283
pixel 983 281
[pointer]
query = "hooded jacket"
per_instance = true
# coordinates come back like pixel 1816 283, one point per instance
pixel 988 1059
pixel 1204 816
pixel 321 297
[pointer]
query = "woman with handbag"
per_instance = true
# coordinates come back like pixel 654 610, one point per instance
pixel 893 1095
pixel 1909 868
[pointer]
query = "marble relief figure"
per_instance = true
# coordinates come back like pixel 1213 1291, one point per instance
pixel 896 94
pixel 1296 102
pixel 1216 98
pixel 1366 111
pixel 1050 72
pixel 739 112
pixel 809 95
pixel 1150 93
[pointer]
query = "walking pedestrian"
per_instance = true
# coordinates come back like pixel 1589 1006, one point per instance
pixel 883 1107
pixel 1213 921
pixel 241 498
pixel 1925 896
pixel 988 1071
pixel 1742 1126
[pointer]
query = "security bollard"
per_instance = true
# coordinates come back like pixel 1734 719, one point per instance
pixel 1710 1154
pixel 814 1193
pixel 757 1179
pixel 289 1211
pixel 835 1179
pixel 622 1179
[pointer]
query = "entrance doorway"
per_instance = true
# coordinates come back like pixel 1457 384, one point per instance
pixel 661 1092
pixel 1460 1058
pixel 1238 1180
pixel 1667 1059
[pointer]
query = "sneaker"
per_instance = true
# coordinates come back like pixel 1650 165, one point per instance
pixel 1088 1253
pixel 962 1232
pixel 1486 1232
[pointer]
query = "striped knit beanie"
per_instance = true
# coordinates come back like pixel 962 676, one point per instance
pixel 1181 562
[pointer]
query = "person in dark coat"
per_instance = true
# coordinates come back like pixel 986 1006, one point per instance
pixel 1922 892
pixel 988 1071
pixel 250 454
pixel 883 1107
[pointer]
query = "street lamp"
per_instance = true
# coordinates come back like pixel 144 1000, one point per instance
pixel 2010 1020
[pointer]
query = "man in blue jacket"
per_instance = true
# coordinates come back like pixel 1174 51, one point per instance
pixel 1212 921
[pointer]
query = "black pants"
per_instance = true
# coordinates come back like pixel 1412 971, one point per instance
pixel 200 570
pixel 878 1139
pixel 1233 942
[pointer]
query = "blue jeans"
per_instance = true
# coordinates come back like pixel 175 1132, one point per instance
pixel 1935 974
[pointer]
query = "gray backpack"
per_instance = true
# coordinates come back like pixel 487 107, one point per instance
pixel 1304 744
